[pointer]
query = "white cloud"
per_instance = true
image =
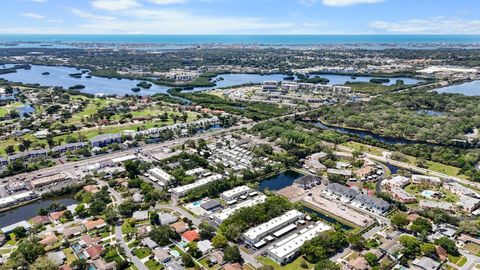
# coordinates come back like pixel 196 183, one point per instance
pixel 436 25
pixel 346 3
pixel 168 2
pixel 87 15
pixel 114 5
pixel 33 16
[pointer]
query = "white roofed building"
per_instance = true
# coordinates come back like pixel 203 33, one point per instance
pixel 219 217
pixel 183 190
pixel 235 193
pixel 255 234
pixel 287 249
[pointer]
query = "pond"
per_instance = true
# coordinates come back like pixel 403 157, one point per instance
pixel 25 109
pixel 363 134
pixel 60 76
pixel 326 218
pixel 279 181
pixel 467 89
pixel 26 212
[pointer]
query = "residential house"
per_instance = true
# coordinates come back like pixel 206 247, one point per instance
pixel 190 236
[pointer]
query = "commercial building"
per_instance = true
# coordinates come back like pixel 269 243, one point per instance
pixel 47 180
pixel 286 250
pixel 235 193
pixel 218 218
pixel 183 190
pixel 255 234
pixel 160 175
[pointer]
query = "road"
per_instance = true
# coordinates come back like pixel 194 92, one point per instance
pixel 422 170
pixel 472 261
pixel 119 235
pixel 246 257
pixel 414 168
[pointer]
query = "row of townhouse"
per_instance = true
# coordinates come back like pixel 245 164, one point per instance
pixel 364 201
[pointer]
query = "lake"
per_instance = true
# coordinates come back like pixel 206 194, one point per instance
pixel 467 89
pixel 279 181
pixel 30 210
pixel 59 76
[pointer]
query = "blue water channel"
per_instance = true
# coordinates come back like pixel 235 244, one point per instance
pixel 59 76
pixel 28 211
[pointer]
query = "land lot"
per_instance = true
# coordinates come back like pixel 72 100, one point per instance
pixel 431 165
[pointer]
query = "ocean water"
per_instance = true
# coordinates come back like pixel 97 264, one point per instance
pixel 248 39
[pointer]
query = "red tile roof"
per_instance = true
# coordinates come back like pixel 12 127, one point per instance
pixel 93 224
pixel 94 251
pixel 56 215
pixel 190 235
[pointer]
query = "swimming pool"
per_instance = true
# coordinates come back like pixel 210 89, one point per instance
pixel 197 204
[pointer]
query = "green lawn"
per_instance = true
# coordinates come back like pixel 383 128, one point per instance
pixel 69 254
pixel 203 262
pixel 142 252
pixel 153 265
pixel 127 227
pixel 458 260
pixel 295 265
pixel 373 88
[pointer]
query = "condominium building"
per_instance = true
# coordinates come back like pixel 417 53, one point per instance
pixel 218 218
pixel 183 190
pixel 255 234
pixel 160 175
pixel 287 249
pixel 235 193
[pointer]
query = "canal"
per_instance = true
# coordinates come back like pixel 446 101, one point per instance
pixel 326 218
pixel 27 211
pixel 365 133
pixel 279 181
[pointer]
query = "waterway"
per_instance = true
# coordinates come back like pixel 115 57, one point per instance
pixel 467 89
pixel 59 76
pixel 326 218
pixel 363 134
pixel 279 181
pixel 27 211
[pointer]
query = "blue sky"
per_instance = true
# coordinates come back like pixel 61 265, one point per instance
pixel 240 17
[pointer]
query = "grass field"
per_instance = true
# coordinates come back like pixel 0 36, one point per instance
pixel 127 228
pixel 153 265
pixel 295 265
pixel 142 252
pixel 373 88
pixel 4 110
pixel 69 254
